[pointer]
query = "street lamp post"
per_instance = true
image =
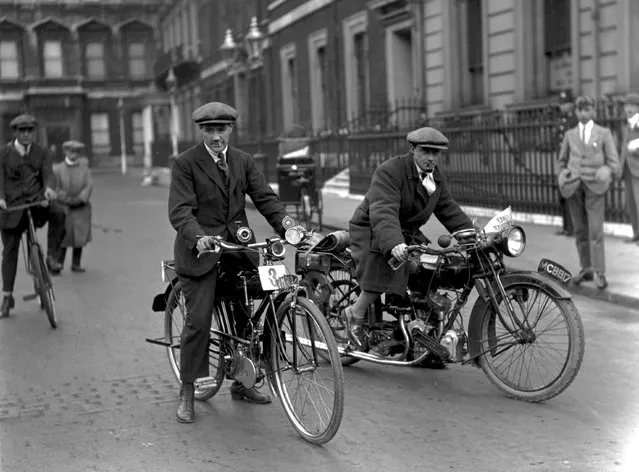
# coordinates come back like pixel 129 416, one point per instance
pixel 252 44
pixel 171 83
pixel 122 137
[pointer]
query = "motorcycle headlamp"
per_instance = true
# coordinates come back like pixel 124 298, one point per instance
pixel 294 235
pixel 513 241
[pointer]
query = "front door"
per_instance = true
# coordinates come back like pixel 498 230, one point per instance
pixel 56 135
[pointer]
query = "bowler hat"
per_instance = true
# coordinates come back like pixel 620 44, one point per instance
pixel 214 113
pixel 631 98
pixel 23 121
pixel 428 137
pixel 72 145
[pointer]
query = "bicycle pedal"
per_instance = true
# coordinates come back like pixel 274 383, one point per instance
pixel 28 298
pixel 205 382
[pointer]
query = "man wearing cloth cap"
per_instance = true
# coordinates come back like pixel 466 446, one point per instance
pixel 208 191
pixel 566 120
pixel 587 162
pixel 630 162
pixel 74 187
pixel 26 176
pixel 405 191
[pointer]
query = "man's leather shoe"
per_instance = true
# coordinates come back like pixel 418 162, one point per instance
pixel 8 302
pixel 54 266
pixel 634 239
pixel 79 269
pixel 561 232
pixel 355 329
pixel 251 395
pixel 584 275
pixel 602 283
pixel 186 410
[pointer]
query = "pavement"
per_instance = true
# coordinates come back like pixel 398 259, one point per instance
pixel 622 259
pixel 92 395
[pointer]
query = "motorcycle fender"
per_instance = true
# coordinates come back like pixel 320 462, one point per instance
pixel 511 278
pixel 159 301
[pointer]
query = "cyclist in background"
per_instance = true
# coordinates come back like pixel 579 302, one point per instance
pixel 26 176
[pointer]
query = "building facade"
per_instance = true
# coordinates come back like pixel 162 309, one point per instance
pixel 85 70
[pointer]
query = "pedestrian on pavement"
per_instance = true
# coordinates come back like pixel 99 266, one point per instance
pixel 630 162
pixel 26 176
pixel 207 197
pixel 405 191
pixel 587 163
pixel 565 120
pixel 74 187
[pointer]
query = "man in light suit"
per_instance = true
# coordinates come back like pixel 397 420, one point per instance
pixel 208 191
pixel 588 161
pixel 630 162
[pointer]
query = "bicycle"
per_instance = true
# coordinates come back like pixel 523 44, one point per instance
pixel 287 337
pixel 310 202
pixel 36 265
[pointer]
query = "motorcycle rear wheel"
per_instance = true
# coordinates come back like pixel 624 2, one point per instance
pixel 498 343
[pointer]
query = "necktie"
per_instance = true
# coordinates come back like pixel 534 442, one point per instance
pixel 224 168
pixel 428 182
pixel 583 133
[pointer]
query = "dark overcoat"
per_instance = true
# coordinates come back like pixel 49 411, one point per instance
pixel 15 172
pixel 392 212
pixel 200 203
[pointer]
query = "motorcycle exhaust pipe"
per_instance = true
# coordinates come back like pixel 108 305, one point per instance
pixel 365 356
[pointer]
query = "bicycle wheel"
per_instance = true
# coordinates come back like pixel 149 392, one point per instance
pixel 306 208
pixel 311 392
pixel 174 319
pixel 536 357
pixel 43 285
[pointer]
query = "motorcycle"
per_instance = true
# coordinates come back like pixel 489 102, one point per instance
pixel 528 356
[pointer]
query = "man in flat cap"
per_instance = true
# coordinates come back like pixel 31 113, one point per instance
pixel 565 120
pixel 630 162
pixel 587 163
pixel 74 188
pixel 26 176
pixel 207 198
pixel 405 191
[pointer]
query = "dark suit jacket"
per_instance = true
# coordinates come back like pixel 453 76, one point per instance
pixel 630 157
pixel 12 179
pixel 200 204
pixel 392 212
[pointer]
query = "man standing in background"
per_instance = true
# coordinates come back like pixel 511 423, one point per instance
pixel 630 162
pixel 566 119
pixel 588 160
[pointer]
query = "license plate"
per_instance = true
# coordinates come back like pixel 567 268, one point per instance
pixel 269 275
pixel 555 271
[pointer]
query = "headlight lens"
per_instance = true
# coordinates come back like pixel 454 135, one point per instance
pixel 293 236
pixel 515 241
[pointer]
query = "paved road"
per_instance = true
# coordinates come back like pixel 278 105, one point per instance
pixel 93 396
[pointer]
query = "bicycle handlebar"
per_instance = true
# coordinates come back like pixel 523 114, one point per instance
pixel 24 206
pixel 220 243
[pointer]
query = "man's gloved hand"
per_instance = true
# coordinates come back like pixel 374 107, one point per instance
pixel 400 252
pixel 3 204
pixel 205 243
pixel 50 194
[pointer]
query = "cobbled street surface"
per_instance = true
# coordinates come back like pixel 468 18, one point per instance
pixel 94 396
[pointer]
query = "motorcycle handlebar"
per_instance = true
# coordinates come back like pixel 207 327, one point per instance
pixel 396 264
pixel 221 244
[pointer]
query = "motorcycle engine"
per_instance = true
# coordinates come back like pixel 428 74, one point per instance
pixel 419 325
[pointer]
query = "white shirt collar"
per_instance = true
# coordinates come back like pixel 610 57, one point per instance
pixel 71 163
pixel 214 155
pixel 588 125
pixel 20 148
pixel 633 120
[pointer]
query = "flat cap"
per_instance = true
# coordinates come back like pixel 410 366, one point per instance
pixel 72 145
pixel 584 101
pixel 214 113
pixel 24 121
pixel 631 99
pixel 428 137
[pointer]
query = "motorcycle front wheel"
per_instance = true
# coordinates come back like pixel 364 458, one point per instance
pixel 536 353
